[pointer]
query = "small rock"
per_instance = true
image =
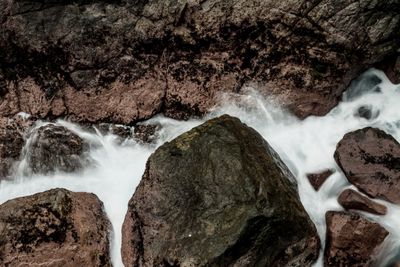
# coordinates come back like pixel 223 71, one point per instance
pixel 370 159
pixel 12 140
pixel 54 228
pixel 145 132
pixel 367 112
pixel 351 240
pixel 55 148
pixel 351 199
pixel 317 179
pixel 122 131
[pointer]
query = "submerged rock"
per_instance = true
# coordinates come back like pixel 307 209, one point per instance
pixel 370 159
pixel 351 240
pixel 119 62
pixel 351 199
pixel 54 228
pixel 55 148
pixel 317 179
pixel 146 133
pixel 217 195
pixel 12 140
pixel 122 131
pixel 367 112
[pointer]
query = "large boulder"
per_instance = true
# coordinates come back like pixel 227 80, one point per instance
pixel 56 228
pixel 124 61
pixel 55 148
pixel 217 195
pixel 370 159
pixel 12 140
pixel 351 240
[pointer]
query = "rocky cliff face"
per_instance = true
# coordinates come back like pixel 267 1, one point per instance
pixel 124 61
pixel 217 195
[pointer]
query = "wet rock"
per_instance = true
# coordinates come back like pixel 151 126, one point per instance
pixel 217 195
pixel 55 148
pixel 146 132
pixel 12 140
pixel 367 83
pixel 317 179
pixel 114 61
pixel 122 131
pixel 370 159
pixel 367 112
pixel 54 228
pixel 351 199
pixel 351 240
pixel 391 66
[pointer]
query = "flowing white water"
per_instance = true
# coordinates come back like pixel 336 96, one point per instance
pixel 305 146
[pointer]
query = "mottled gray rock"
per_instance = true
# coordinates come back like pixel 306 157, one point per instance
pixel 217 195
pixel 55 148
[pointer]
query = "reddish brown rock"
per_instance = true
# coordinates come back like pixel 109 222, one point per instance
pixel 317 179
pixel 217 195
pixel 113 61
pixel 351 199
pixel 54 228
pixel 12 140
pixel 351 240
pixel 370 159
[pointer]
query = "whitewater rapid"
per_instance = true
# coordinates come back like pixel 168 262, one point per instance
pixel 305 146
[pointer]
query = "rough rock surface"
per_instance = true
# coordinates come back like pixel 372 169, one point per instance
pixel 55 148
pixel 351 240
pixel 391 66
pixel 122 131
pixel 12 140
pixel 146 132
pixel 124 61
pixel 317 179
pixel 217 195
pixel 54 228
pixel 351 199
pixel 370 159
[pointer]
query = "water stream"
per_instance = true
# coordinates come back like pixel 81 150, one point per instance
pixel 305 146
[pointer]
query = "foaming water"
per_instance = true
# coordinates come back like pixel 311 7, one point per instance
pixel 305 146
